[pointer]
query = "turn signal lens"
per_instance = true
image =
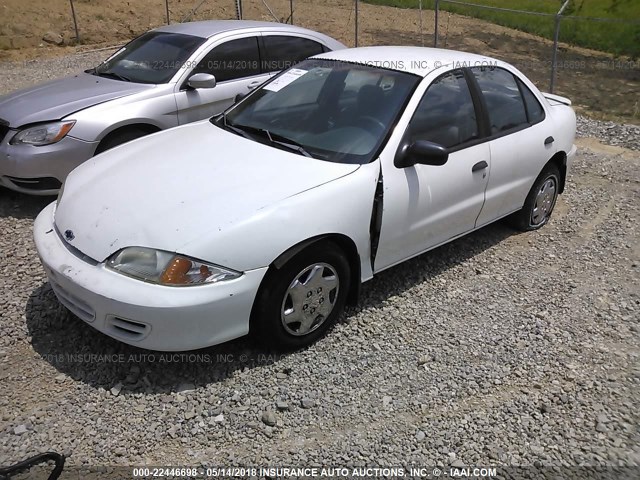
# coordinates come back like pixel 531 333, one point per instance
pixel 186 271
pixel 165 268
pixel 176 272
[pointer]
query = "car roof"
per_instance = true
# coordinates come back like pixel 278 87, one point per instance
pixel 209 28
pixel 417 60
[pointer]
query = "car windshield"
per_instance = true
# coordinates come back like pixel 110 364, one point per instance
pixel 154 57
pixel 329 110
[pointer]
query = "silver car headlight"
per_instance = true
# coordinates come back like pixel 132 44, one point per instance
pixel 44 134
pixel 166 268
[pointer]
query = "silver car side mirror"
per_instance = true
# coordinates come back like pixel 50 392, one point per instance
pixel 202 80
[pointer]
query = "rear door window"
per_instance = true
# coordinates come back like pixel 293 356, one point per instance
pixel 284 51
pixel 502 96
pixel 232 60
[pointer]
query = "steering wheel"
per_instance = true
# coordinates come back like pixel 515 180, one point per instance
pixel 371 122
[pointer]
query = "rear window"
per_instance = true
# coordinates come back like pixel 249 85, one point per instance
pixel 535 112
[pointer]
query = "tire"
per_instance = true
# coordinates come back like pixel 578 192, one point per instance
pixel 540 201
pixel 284 320
pixel 118 138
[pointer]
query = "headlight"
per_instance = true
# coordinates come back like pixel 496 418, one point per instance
pixel 44 134
pixel 165 268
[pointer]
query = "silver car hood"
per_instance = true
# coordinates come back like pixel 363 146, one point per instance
pixel 57 99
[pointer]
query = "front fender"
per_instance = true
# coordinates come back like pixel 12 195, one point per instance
pixel 342 206
pixel 155 107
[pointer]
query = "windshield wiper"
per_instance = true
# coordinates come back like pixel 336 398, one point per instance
pixel 291 145
pixel 274 138
pixel 227 126
pixel 108 74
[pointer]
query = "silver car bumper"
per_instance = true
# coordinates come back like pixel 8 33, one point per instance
pixel 41 170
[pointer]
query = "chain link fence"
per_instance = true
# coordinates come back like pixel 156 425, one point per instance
pixel 602 82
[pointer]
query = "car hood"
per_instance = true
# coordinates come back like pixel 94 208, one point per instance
pixel 170 188
pixel 57 99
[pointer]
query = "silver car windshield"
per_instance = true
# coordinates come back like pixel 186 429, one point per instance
pixel 154 57
pixel 330 110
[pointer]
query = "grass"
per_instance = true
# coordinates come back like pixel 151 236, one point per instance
pixel 617 38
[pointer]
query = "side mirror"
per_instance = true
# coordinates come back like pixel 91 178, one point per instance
pixel 201 80
pixel 422 152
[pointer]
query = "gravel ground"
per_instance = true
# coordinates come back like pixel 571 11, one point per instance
pixel 497 349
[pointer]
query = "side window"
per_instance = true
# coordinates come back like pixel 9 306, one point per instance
pixel 446 114
pixel 502 95
pixel 285 51
pixel 232 60
pixel 535 112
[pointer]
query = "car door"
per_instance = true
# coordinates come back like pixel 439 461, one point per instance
pixel 235 62
pixel 424 205
pixel 521 142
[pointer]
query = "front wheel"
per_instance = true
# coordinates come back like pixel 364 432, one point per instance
pixel 540 201
pixel 118 138
pixel 298 303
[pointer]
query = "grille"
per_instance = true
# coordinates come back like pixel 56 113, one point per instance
pixel 128 328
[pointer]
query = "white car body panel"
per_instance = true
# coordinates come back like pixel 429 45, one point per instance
pixel 143 315
pixel 516 161
pixel 240 204
pixel 421 210
pixel 206 176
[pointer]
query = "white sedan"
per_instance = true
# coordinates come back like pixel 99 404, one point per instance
pixel 267 218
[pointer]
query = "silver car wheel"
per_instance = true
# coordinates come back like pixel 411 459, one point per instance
pixel 310 299
pixel 544 203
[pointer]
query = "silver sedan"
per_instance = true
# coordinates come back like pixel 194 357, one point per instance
pixel 169 76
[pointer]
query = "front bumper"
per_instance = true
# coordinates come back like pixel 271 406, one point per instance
pixel 142 314
pixel 41 170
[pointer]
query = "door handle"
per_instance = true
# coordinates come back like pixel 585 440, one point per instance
pixel 253 85
pixel 479 166
pixel 548 140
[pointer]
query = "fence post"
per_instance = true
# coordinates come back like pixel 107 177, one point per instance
pixel 435 28
pixel 421 30
pixel 166 4
pixel 556 38
pixel 239 9
pixel 291 11
pixel 75 21
pixel 356 34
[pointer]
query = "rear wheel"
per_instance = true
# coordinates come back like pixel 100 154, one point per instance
pixel 298 303
pixel 540 201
